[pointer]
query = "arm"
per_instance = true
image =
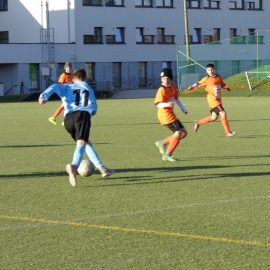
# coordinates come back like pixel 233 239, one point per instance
pixel 224 86
pixel 193 86
pixel 44 97
pixel 181 106
pixel 164 104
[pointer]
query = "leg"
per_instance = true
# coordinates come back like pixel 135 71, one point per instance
pixel 226 125
pixel 205 120
pixel 77 158
pixel 52 119
pixel 179 133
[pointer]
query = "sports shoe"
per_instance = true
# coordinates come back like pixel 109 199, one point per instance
pixel 196 126
pixel 52 120
pixel 105 172
pixel 72 171
pixel 169 158
pixel 160 147
pixel 231 134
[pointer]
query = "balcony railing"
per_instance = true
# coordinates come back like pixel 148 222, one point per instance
pixel 92 39
pixel 166 39
pixel 146 39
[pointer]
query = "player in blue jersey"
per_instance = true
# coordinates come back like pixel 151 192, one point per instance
pixel 79 106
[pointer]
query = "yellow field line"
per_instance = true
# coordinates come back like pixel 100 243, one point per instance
pixel 142 231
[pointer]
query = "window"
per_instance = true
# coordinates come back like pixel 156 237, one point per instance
pixel 237 4
pixel 143 3
pixel 253 37
pixel 216 34
pixel 164 3
pixel 196 36
pixel 236 66
pixel 4 37
pixel 233 32
pixel 211 4
pixel 193 3
pixel 92 2
pixel 142 74
pixel 143 39
pixel 236 39
pixel 3 5
pixel 116 76
pixel 254 5
pixel 34 76
pixel 94 39
pixel 164 39
pixel 118 37
pixel 90 69
pixel 114 3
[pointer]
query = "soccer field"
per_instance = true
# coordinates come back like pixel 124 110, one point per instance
pixel 209 211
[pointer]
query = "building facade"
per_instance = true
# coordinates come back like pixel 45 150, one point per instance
pixel 122 44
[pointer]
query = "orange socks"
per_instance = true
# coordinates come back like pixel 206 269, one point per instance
pixel 205 120
pixel 225 124
pixel 58 111
pixel 172 144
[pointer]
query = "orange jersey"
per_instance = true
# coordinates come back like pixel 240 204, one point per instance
pixel 166 94
pixel 213 87
pixel 65 78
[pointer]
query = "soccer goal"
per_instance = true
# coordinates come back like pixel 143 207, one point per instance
pixel 257 78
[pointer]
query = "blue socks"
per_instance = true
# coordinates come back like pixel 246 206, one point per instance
pixel 93 156
pixel 78 154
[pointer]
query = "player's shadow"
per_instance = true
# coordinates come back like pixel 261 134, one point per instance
pixel 34 145
pixel 148 180
pixel 31 175
pixel 42 145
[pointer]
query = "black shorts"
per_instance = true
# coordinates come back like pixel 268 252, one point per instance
pixel 175 126
pixel 217 109
pixel 78 125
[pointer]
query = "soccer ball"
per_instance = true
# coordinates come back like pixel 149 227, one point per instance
pixel 86 168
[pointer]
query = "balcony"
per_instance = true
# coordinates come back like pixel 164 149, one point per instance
pixel 166 39
pixel 238 40
pixel 255 39
pixel 92 39
pixel 146 39
pixel 111 39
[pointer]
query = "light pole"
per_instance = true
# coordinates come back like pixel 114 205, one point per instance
pixel 186 31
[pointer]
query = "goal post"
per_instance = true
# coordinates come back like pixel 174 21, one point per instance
pixel 257 78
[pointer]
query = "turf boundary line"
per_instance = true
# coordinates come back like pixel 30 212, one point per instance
pixel 139 231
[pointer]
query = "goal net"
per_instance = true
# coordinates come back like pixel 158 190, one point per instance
pixel 257 79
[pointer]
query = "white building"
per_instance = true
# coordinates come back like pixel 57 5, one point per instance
pixel 122 44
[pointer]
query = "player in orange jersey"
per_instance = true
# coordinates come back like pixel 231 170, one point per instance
pixel 65 77
pixel 213 83
pixel 166 97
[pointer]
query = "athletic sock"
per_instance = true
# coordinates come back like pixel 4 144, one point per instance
pixel 58 111
pixel 205 120
pixel 167 140
pixel 225 124
pixel 93 156
pixel 172 146
pixel 78 154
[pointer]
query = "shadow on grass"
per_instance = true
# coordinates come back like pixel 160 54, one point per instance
pixel 32 175
pixel 148 180
pixel 242 157
pixel 34 145
pixel 42 145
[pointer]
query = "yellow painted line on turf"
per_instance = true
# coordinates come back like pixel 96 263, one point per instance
pixel 141 231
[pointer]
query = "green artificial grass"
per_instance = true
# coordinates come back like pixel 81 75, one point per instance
pixel 208 211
